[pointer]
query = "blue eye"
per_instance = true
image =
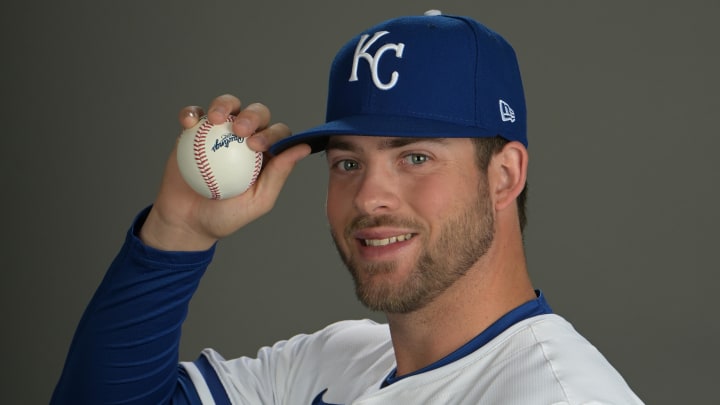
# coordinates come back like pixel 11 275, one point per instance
pixel 347 165
pixel 416 158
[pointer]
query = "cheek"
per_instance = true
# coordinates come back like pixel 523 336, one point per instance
pixel 431 198
pixel 440 200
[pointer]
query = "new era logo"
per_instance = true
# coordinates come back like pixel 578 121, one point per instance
pixel 506 113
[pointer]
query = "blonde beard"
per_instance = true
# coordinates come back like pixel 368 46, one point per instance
pixel 462 242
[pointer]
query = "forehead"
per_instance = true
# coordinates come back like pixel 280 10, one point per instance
pixel 356 142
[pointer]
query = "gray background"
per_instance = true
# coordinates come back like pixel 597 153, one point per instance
pixel 623 204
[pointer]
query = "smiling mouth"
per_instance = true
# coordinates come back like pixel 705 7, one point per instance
pixel 387 241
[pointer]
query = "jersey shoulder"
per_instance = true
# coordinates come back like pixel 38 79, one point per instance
pixel 570 362
pixel 540 360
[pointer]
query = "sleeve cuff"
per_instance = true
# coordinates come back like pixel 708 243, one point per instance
pixel 150 254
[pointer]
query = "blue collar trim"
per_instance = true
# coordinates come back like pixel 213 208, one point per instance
pixel 538 306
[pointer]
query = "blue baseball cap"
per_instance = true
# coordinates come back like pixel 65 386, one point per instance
pixel 430 76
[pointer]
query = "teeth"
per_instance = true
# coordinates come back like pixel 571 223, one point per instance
pixel 387 241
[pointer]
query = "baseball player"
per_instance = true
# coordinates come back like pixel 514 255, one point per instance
pixel 426 145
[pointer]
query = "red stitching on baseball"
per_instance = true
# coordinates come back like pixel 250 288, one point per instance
pixel 201 159
pixel 256 169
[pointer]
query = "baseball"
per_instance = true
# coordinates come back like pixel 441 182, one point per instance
pixel 215 162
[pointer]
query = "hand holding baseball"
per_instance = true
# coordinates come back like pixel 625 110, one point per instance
pixel 184 219
pixel 215 162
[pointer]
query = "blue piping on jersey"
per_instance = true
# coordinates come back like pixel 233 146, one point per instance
pixel 186 394
pixel 538 306
pixel 213 381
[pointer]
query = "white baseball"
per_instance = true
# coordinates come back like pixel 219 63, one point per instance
pixel 215 162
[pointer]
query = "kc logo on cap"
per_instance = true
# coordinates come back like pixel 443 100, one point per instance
pixel 430 76
pixel 361 52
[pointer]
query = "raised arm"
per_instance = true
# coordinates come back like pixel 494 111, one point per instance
pixel 125 349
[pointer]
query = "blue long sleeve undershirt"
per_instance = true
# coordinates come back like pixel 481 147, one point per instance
pixel 125 349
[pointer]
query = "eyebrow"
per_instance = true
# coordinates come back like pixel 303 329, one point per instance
pixel 388 143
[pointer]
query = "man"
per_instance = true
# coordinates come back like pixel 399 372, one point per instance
pixel 426 142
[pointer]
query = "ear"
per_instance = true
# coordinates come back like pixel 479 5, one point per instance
pixel 507 174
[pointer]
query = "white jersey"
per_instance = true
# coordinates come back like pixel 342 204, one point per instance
pixel 539 360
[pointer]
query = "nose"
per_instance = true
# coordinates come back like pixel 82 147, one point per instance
pixel 377 191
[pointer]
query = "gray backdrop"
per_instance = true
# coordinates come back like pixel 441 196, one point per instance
pixel 623 203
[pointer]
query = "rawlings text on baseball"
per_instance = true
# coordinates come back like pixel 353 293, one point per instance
pixel 215 162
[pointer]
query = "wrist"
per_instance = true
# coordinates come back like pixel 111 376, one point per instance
pixel 159 233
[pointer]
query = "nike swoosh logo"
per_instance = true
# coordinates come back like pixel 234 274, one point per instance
pixel 319 400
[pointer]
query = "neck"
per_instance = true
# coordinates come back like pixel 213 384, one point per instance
pixel 495 285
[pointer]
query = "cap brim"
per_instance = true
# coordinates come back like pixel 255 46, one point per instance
pixel 375 125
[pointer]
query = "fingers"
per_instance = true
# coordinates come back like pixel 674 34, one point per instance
pixel 248 120
pixel 261 141
pixel 190 115
pixel 251 119
pixel 252 122
pixel 222 107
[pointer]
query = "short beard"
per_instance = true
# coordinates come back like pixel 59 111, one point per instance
pixel 464 239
